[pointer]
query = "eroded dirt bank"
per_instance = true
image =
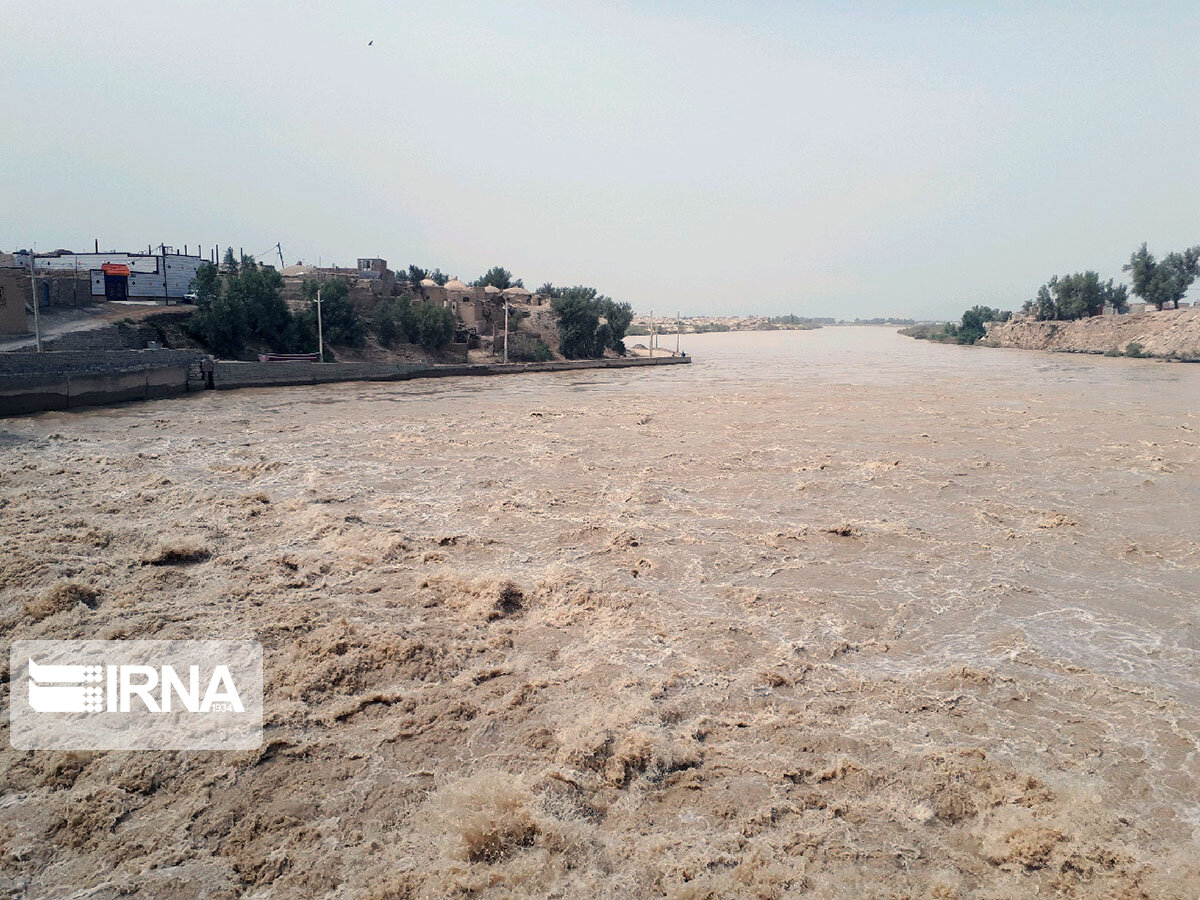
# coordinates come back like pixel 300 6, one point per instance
pixel 1170 334
pixel 917 624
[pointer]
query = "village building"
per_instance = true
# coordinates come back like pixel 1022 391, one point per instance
pixel 113 275
pixel 372 267
pixel 472 306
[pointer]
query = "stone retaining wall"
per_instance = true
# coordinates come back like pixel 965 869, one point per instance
pixel 231 375
pixel 33 382
pixel 64 379
pixel 61 362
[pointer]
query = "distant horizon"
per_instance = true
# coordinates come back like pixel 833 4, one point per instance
pixel 785 158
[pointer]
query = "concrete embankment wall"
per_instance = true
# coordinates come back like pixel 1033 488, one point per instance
pixel 1170 334
pixel 33 382
pixel 229 375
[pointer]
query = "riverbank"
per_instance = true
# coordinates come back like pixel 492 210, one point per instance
pixel 1169 334
pixel 37 382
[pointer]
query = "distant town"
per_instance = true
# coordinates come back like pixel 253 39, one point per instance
pixel 650 324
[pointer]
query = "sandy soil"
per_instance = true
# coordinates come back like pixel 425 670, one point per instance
pixel 918 623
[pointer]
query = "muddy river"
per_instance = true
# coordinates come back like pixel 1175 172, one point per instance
pixel 831 613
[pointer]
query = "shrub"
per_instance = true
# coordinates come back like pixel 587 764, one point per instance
pixel 523 348
pixel 434 326
pixel 221 326
pixel 395 320
pixel 969 331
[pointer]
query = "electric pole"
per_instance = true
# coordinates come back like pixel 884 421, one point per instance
pixel 320 333
pixel 506 332
pixel 166 297
pixel 37 321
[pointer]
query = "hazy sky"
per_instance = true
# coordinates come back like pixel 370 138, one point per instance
pixel 849 159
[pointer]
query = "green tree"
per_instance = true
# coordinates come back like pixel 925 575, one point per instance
pixel 499 277
pixel 259 291
pixel 549 290
pixel 221 326
pixel 206 284
pixel 395 320
pixel 1075 296
pixel 1164 281
pixel 619 315
pixel 972 327
pixel 581 334
pixel 577 324
pixel 340 322
pixel 230 263
pixel 434 325
pixel 416 275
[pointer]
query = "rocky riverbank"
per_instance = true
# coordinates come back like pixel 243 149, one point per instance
pixel 1170 334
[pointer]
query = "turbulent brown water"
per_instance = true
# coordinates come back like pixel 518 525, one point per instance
pixel 829 613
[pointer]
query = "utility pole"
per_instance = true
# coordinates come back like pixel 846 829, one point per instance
pixel 166 300
pixel 320 333
pixel 506 332
pixel 37 321
pixel 677 315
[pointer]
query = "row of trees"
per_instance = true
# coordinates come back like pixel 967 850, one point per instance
pixel 245 305
pixel 241 303
pixel 400 319
pixel 1160 283
pixel 1076 296
pixel 496 276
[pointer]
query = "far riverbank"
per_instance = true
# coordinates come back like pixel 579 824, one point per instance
pixel 1169 334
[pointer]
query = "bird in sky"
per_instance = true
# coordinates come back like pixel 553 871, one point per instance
pixel 369 43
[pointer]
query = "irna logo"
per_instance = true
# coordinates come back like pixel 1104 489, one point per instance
pixel 109 688
pixel 135 695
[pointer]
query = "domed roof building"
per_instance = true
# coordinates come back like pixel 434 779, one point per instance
pixel 428 282
pixel 455 285
pixel 490 289
pixel 517 293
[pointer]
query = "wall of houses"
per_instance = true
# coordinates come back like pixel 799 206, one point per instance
pixel 14 292
pixel 63 288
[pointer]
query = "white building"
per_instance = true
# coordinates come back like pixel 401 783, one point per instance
pixel 122 276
